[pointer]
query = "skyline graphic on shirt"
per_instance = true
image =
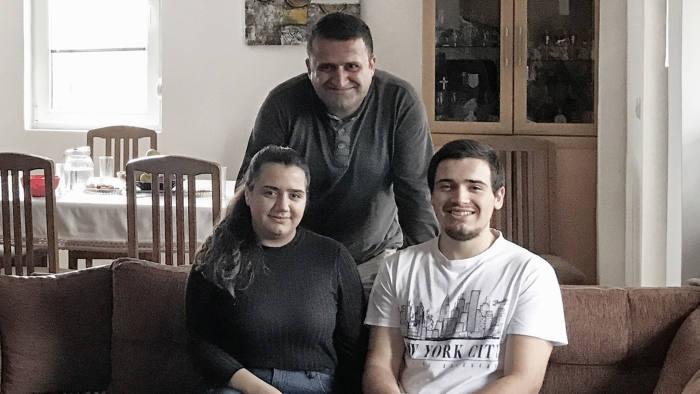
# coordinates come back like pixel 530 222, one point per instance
pixel 467 319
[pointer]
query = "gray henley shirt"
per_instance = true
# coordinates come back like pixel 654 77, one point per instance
pixel 368 172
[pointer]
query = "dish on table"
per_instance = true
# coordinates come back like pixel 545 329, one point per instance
pixel 36 184
pixel 101 188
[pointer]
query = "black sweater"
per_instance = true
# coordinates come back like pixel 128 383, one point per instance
pixel 304 312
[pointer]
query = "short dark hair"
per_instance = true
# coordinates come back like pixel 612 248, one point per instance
pixel 342 27
pixel 468 149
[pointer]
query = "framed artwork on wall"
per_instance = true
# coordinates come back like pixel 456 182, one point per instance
pixel 287 22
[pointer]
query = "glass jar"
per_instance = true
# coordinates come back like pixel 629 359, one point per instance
pixel 78 167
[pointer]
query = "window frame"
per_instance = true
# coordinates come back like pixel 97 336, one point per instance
pixel 38 113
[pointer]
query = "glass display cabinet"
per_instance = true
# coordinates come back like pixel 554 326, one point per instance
pixel 519 73
pixel 511 66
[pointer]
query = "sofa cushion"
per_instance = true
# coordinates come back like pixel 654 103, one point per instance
pixel 590 311
pixel 149 337
pixel 683 357
pixel 55 332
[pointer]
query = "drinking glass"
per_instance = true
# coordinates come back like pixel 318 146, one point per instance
pixel 106 166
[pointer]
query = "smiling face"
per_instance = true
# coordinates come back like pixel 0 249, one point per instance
pixel 277 200
pixel 463 199
pixel 341 73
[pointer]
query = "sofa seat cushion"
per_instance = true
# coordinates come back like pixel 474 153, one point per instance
pixel 682 358
pixel 149 337
pixel 55 332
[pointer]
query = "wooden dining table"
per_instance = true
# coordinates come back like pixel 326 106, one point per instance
pixel 97 221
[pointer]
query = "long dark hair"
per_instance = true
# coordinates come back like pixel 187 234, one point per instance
pixel 232 255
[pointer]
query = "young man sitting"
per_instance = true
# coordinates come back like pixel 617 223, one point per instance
pixel 467 311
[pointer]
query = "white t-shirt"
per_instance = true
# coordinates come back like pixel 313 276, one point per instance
pixel 455 315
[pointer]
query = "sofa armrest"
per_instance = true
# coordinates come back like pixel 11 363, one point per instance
pixel 683 357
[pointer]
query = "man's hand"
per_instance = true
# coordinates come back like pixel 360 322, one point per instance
pixel 384 359
pixel 524 366
pixel 244 381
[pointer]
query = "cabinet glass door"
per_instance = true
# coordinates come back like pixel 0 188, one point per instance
pixel 473 68
pixel 554 86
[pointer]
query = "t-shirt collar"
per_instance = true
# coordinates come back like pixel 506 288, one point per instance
pixel 485 255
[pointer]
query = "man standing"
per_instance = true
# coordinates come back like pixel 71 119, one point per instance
pixel 365 136
pixel 467 311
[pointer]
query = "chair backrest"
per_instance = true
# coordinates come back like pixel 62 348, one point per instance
pixel 15 168
pixel 118 140
pixel 173 168
pixel 524 218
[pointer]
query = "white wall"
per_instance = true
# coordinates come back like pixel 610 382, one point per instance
pixel 647 160
pixel 612 134
pixel 674 236
pixel 213 85
pixel 663 144
pixel 691 139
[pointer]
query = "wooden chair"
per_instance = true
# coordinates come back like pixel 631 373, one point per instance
pixel 15 168
pixel 174 168
pixel 117 143
pixel 118 140
pixel 524 218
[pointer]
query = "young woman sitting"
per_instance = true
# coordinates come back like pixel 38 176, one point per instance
pixel 272 307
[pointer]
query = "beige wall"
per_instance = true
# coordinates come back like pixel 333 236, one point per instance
pixel 213 85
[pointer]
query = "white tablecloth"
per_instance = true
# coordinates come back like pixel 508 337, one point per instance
pixel 97 221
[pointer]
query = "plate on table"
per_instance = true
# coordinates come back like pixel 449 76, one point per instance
pixel 102 189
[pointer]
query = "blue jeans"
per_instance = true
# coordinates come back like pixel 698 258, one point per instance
pixel 289 382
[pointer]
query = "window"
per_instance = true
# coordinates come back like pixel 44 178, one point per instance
pixel 92 63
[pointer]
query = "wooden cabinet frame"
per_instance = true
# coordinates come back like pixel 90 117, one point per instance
pixel 505 125
pixel 513 79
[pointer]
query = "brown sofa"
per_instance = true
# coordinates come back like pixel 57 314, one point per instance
pixel 120 329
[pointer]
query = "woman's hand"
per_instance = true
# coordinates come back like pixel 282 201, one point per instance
pixel 244 380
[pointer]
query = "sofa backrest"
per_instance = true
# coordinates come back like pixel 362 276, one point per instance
pixel 55 332
pixel 149 337
pixel 618 338
pixel 76 332
pixel 65 333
